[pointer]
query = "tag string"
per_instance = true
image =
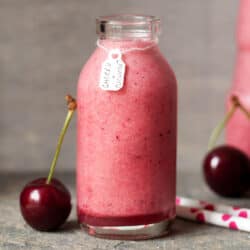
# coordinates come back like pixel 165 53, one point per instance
pixel 123 51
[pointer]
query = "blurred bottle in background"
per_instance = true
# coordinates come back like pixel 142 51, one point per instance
pixel 238 129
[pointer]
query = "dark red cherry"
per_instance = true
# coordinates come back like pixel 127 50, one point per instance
pixel 45 207
pixel 226 171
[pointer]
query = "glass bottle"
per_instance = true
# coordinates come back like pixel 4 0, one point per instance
pixel 126 132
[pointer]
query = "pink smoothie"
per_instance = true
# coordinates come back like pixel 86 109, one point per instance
pixel 243 29
pixel 126 141
pixel 238 129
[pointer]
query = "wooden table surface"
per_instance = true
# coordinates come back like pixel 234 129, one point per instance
pixel 15 234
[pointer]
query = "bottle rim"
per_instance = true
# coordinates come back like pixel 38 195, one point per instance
pixel 128 26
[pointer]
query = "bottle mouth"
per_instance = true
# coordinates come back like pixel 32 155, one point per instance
pixel 128 26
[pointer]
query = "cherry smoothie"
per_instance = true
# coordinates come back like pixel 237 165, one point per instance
pixel 238 128
pixel 126 142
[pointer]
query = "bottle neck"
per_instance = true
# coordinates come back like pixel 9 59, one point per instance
pixel 127 45
pixel 127 30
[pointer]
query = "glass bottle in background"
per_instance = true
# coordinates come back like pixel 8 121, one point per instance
pixel 126 132
pixel 238 128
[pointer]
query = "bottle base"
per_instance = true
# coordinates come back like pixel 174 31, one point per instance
pixel 138 232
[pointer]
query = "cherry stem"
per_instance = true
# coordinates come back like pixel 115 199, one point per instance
pixel 218 129
pixel 71 109
pixel 246 112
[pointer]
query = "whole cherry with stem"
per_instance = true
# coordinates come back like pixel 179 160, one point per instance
pixel 45 203
pixel 227 169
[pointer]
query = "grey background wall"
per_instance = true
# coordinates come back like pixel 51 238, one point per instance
pixel 43 45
